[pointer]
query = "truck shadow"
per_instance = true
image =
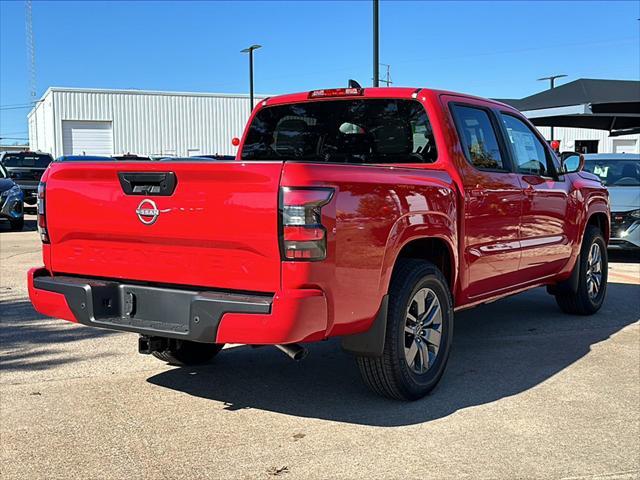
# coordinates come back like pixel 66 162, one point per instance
pixel 30 225
pixel 28 340
pixel 624 256
pixel 499 350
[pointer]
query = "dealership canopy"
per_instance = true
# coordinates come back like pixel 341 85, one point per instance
pixel 612 105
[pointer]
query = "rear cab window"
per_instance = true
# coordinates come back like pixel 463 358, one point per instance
pixel 27 160
pixel 360 131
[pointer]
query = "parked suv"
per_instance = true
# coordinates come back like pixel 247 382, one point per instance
pixel 26 168
pixel 368 214
pixel 11 201
pixel 620 173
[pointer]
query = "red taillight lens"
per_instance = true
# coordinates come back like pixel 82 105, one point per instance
pixel 336 92
pixel 42 216
pixel 303 235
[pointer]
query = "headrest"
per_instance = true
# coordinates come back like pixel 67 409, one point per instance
pixel 393 137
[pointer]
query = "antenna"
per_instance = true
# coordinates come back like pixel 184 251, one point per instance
pixel 31 54
pixel 386 80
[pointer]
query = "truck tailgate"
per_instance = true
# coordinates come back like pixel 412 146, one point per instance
pixel 219 227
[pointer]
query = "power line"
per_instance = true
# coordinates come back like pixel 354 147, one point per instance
pixel 16 107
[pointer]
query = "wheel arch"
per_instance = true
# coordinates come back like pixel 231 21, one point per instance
pixel 600 220
pixel 437 249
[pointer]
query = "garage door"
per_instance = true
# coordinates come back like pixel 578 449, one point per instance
pixel 87 138
pixel 624 146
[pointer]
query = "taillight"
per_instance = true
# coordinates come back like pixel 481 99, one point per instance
pixel 303 235
pixel 42 215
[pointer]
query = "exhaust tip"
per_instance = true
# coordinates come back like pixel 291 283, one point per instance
pixel 300 354
pixel 293 351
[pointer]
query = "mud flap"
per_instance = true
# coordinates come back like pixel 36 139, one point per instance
pixel 371 342
pixel 570 285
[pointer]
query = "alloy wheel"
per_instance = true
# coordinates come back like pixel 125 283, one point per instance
pixel 594 271
pixel 422 330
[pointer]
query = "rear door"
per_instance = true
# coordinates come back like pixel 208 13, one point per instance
pixel 217 228
pixel 492 202
pixel 543 233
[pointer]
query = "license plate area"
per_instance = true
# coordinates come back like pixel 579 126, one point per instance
pixel 158 309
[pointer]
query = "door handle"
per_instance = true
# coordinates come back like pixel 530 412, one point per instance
pixel 148 183
pixel 529 191
pixel 478 192
pixel 533 179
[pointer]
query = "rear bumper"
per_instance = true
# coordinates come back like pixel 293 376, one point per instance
pixel 187 314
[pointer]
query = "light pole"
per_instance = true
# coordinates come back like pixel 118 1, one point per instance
pixel 376 45
pixel 552 84
pixel 250 52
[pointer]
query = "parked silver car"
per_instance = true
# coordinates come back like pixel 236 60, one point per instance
pixel 620 172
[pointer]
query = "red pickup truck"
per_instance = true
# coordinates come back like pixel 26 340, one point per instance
pixel 369 214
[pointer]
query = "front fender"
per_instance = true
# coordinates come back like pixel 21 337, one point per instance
pixel 593 199
pixel 587 198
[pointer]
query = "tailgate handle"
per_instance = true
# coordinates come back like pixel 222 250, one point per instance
pixel 148 183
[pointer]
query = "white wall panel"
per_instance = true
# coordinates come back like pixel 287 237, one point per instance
pixel 146 123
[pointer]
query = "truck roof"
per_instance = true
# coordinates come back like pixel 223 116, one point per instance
pixel 376 92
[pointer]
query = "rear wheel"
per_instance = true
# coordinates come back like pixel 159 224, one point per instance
pixel 592 277
pixel 17 224
pixel 184 353
pixel 418 335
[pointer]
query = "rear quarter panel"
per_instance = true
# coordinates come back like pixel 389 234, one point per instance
pixel 375 211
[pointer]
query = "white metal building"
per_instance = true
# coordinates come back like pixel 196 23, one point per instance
pixel 77 121
pixel 592 141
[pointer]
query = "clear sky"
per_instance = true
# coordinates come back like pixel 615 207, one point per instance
pixel 493 49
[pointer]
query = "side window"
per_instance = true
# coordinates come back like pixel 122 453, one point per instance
pixel 529 154
pixel 478 138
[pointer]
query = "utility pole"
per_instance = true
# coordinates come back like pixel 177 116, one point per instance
pixel 31 55
pixel 376 44
pixel 552 85
pixel 250 50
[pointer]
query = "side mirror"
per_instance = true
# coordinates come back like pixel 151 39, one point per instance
pixel 571 162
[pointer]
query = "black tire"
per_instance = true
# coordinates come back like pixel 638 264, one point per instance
pixel 581 302
pixel 17 225
pixel 184 353
pixel 391 375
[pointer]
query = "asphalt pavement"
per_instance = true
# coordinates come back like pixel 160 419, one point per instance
pixel 529 393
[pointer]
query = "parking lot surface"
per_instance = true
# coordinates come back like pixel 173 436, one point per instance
pixel 529 393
